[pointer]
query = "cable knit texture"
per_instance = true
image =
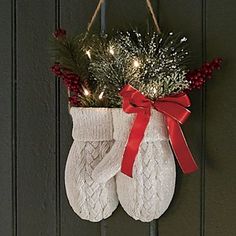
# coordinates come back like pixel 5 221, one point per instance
pixel 92 134
pixel 148 194
pixel 111 163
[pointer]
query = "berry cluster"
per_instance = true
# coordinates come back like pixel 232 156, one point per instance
pixel 71 81
pixel 73 100
pixel 197 78
pixel 59 34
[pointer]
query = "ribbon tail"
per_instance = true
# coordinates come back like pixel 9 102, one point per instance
pixel 180 147
pixel 134 141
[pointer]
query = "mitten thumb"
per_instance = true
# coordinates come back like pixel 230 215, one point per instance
pixel 110 164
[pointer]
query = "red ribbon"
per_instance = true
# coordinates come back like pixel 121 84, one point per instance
pixel 176 113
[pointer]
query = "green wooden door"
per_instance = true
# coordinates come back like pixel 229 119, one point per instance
pixel 35 126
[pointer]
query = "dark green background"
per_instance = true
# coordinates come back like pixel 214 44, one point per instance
pixel 35 126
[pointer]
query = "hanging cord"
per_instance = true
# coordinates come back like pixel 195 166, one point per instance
pixel 149 5
pixel 95 14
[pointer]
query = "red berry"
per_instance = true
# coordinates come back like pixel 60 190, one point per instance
pixel 59 33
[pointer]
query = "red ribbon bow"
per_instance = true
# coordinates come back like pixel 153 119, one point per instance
pixel 176 113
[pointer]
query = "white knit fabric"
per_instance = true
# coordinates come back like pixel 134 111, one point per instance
pixel 92 134
pixel 148 194
pixel 111 163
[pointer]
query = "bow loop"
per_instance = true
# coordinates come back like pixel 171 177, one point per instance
pixel 139 100
pixel 173 109
pixel 134 101
pixel 181 99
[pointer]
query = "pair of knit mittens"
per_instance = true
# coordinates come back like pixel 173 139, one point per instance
pixel 94 183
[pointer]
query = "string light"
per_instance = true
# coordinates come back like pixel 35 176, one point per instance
pixel 101 95
pixel 184 39
pixel 88 53
pixel 155 67
pixel 136 63
pixel 86 92
pixel 111 50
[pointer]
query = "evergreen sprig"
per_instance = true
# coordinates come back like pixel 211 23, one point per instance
pixel 71 56
pixel 69 53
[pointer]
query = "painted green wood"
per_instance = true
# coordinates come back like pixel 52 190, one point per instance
pixel 126 15
pixel 6 206
pixel 184 215
pixel 220 207
pixel 75 16
pixel 35 120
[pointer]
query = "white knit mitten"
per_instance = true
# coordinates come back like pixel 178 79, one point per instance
pixel 92 134
pixel 111 163
pixel 148 194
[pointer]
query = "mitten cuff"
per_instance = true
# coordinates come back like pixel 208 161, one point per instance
pixel 122 124
pixel 91 124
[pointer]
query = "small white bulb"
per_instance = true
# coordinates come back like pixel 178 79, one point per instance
pixel 101 95
pixel 184 39
pixel 111 50
pixel 86 92
pixel 88 53
pixel 136 63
